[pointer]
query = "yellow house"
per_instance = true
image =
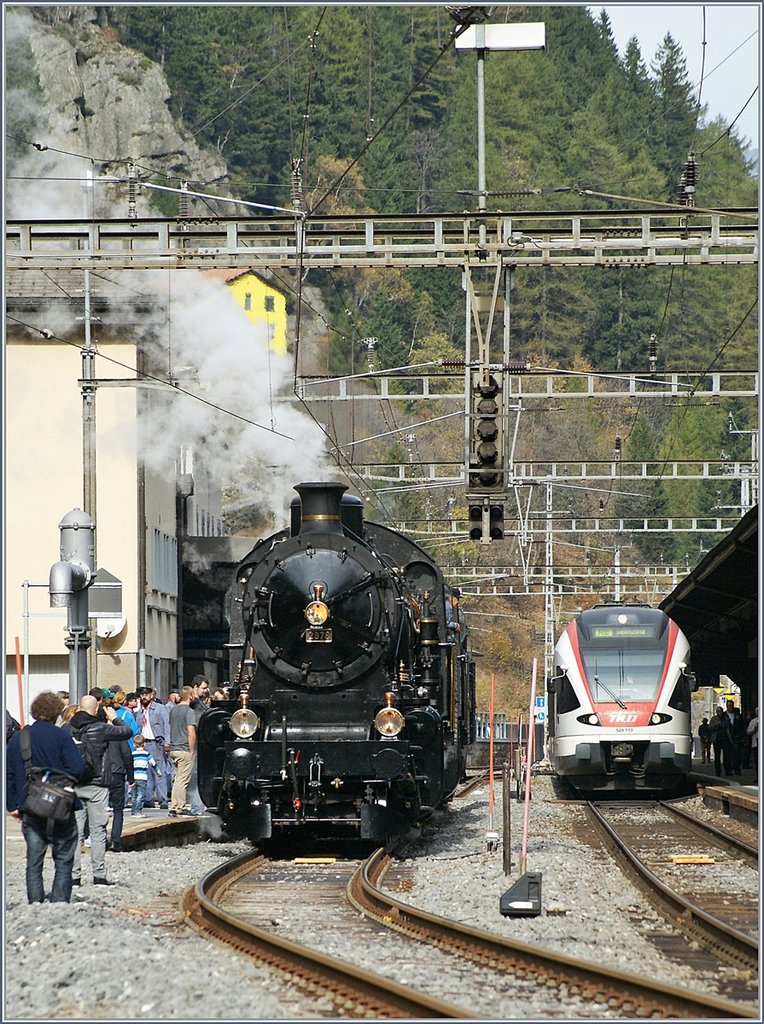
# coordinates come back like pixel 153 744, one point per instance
pixel 261 301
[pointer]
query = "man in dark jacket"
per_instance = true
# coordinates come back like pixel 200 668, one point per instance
pixel 121 774
pixel 94 737
pixel 51 748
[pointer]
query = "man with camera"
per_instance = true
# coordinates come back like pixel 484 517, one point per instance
pixel 94 737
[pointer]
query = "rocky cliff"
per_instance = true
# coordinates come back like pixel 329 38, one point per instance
pixel 81 102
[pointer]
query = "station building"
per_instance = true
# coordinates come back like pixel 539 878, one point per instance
pixel 142 516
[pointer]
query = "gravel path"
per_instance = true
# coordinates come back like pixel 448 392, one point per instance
pixel 123 952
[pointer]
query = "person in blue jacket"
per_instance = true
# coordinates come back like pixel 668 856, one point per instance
pixel 52 748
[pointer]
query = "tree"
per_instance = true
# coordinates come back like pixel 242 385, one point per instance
pixel 673 128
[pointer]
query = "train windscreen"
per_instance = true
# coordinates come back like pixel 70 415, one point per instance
pixel 622 677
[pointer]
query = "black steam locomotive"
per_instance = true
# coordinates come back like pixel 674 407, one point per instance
pixel 349 709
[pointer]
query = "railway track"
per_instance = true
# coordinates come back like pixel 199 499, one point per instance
pixel 703 879
pixel 289 914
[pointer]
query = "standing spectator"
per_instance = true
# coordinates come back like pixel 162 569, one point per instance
pixel 721 741
pixel 737 735
pixel 182 749
pixel 143 764
pixel 200 702
pixel 94 737
pixel 52 748
pixel 154 722
pixel 125 714
pixel 200 687
pixel 704 735
pixel 121 775
pixel 753 735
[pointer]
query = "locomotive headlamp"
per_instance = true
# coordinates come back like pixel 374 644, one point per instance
pixel 316 613
pixel 244 723
pixel 594 720
pixel 389 721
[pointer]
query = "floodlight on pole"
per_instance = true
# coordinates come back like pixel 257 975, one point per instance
pixel 480 37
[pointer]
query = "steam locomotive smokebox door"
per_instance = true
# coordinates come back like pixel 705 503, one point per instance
pixel 523 899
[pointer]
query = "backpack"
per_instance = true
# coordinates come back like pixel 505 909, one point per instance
pixel 98 768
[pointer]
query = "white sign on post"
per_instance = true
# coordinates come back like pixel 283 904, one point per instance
pixel 539 710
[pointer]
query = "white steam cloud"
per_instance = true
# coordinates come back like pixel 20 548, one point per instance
pixel 220 357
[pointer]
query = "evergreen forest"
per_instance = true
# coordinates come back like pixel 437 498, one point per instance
pixel 376 110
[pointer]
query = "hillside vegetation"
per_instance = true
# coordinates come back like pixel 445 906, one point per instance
pixel 378 113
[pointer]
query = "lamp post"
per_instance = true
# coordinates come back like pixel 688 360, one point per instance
pixel 481 37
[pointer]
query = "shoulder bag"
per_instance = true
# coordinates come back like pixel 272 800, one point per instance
pixel 50 793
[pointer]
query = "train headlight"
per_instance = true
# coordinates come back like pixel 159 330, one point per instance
pixel 593 720
pixel 244 723
pixel 655 719
pixel 388 722
pixel 316 613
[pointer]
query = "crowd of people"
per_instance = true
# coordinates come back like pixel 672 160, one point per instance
pixel 731 739
pixel 120 750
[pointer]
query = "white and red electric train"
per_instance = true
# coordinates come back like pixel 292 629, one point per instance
pixel 619 701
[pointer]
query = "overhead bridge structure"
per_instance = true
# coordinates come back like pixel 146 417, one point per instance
pixel 638 238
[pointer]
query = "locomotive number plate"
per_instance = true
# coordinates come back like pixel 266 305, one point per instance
pixel 318 636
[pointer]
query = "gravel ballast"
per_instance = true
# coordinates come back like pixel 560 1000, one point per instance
pixel 123 952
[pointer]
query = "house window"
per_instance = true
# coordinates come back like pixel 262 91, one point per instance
pixel 248 300
pixel 164 564
pixel 269 304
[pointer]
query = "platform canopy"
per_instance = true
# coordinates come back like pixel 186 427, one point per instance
pixel 717 608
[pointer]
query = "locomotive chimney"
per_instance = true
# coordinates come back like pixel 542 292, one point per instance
pixel 321 503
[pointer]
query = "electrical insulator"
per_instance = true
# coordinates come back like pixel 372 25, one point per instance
pixel 602 506
pixel 618 446
pixel 297 193
pixel 183 201
pixel 688 181
pixel 132 191
pixel 652 351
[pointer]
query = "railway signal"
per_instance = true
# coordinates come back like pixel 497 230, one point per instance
pixel 486 520
pixel 486 457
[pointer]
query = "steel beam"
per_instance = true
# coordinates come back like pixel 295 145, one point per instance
pixel 636 238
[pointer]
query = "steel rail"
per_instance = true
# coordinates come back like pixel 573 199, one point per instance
pixel 734 843
pixel 353 989
pixel 723 936
pixel 498 953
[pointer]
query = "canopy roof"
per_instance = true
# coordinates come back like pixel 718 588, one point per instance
pixel 717 607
